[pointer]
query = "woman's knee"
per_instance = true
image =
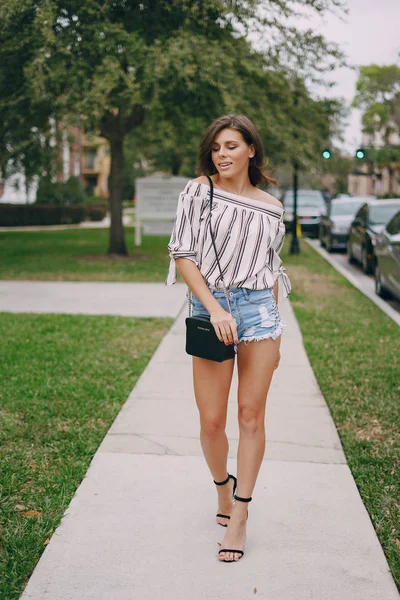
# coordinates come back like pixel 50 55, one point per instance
pixel 212 425
pixel 251 419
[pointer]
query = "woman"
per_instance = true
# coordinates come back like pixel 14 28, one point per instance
pixel 248 228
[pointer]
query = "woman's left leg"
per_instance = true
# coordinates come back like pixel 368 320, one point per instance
pixel 256 364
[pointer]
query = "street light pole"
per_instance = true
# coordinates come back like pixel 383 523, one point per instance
pixel 294 246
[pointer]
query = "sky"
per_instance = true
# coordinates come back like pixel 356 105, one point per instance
pixel 369 34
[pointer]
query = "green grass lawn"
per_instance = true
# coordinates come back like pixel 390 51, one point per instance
pixel 63 370
pixel 80 255
pixel 63 380
pixel 354 349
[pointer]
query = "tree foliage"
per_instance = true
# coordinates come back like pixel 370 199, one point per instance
pixel 163 69
pixel 378 96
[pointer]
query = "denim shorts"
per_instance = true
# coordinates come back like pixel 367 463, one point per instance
pixel 256 312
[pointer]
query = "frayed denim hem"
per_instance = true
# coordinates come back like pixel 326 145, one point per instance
pixel 272 334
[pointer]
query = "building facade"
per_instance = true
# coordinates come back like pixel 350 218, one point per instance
pixel 81 155
pixel 370 178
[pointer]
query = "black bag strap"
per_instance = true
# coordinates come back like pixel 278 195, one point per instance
pixel 210 181
pixel 216 256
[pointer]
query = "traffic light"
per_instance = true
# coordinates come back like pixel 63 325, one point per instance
pixel 360 153
pixel 326 153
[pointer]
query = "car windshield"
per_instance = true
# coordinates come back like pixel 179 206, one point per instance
pixel 314 200
pixel 340 208
pixel 380 215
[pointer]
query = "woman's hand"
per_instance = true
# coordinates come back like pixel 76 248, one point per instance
pixel 225 326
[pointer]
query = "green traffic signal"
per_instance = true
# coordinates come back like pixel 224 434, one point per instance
pixel 360 153
pixel 326 154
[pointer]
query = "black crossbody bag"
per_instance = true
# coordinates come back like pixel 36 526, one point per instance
pixel 201 338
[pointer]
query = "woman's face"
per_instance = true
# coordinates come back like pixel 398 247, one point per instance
pixel 230 153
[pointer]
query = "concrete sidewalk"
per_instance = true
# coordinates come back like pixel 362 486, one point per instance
pixel 92 298
pixel 142 523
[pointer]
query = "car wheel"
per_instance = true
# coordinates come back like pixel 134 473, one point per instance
pixel 379 289
pixel 366 263
pixel 350 256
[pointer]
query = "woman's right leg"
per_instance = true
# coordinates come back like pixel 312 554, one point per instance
pixel 212 382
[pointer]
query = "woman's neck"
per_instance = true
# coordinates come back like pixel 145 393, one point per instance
pixel 240 186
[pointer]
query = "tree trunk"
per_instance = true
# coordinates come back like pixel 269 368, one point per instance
pixel 28 183
pixel 116 233
pixel 176 162
pixel 390 173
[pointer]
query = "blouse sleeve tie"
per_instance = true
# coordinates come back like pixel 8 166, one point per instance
pixel 171 277
pixel 285 279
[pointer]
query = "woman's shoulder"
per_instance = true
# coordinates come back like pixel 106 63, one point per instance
pixel 192 188
pixel 267 198
pixel 201 179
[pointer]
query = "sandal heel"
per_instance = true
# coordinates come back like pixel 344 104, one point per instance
pixel 241 552
pixel 233 494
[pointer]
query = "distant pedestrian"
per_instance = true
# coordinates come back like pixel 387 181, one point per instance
pixel 248 228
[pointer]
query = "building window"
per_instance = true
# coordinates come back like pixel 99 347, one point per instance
pixel 91 185
pixel 91 157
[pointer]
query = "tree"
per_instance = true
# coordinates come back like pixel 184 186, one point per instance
pixel 378 95
pixel 121 62
pixel 168 139
pixel 25 127
pixel 389 158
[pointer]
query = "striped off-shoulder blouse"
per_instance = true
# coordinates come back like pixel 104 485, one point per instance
pixel 248 235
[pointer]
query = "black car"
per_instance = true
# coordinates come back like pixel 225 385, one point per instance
pixel 387 251
pixel 334 226
pixel 368 222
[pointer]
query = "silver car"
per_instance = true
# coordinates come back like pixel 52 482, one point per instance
pixel 334 226
pixel 310 206
pixel 387 252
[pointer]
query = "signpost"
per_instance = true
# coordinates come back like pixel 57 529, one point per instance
pixel 156 201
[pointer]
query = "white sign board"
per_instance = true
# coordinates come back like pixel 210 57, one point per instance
pixel 156 202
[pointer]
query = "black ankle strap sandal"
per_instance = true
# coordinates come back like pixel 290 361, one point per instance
pixel 242 499
pixel 233 494
pixel 233 549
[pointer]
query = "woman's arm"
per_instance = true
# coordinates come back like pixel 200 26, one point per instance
pixel 223 322
pixel 275 290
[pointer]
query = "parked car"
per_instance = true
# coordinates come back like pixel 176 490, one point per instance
pixel 368 222
pixel 310 206
pixel 387 252
pixel 334 226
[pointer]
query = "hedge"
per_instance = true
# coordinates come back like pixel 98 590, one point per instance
pixel 96 212
pixel 16 215
pixel 63 193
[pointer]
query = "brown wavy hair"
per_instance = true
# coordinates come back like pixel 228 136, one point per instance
pixel 258 166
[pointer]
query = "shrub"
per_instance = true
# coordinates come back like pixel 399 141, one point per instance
pixel 388 196
pixel 67 193
pixel 73 191
pixel 16 215
pixel 48 192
